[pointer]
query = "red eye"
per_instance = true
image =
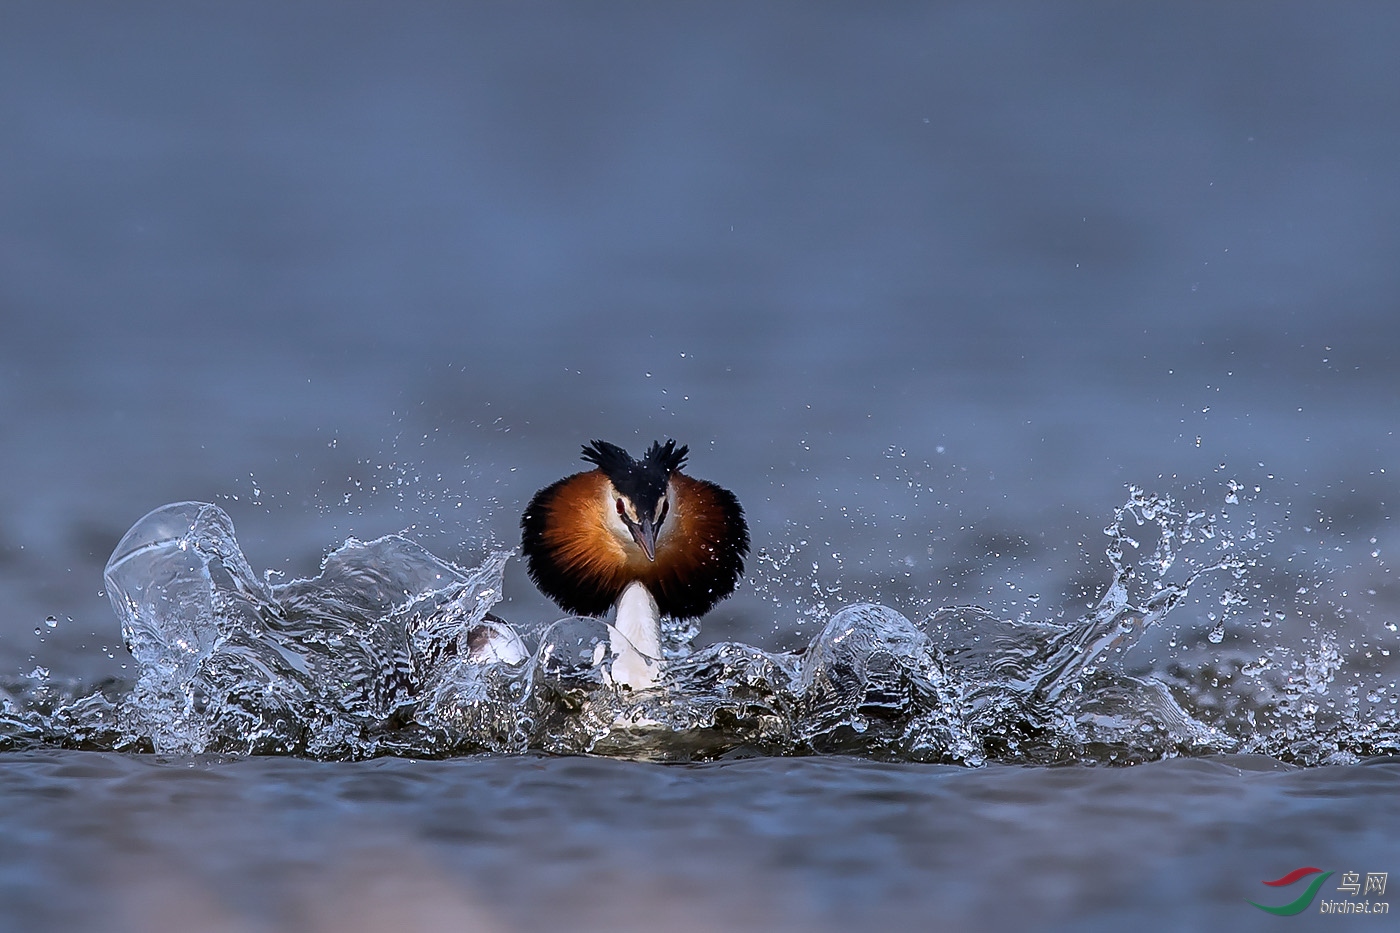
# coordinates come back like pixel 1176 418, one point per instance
pixel 622 512
pixel 665 507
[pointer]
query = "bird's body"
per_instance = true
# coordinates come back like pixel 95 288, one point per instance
pixel 639 535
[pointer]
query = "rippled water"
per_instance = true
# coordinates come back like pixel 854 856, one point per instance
pixel 498 843
pixel 943 293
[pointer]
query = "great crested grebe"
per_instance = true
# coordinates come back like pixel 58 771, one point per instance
pixel 639 535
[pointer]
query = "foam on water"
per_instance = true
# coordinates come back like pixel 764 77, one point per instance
pixel 375 656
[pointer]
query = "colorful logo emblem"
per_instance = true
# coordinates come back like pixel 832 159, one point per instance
pixel 1304 900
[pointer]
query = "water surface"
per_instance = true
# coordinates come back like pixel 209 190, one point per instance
pixel 939 293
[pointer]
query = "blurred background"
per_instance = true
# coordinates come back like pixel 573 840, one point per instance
pixel 927 285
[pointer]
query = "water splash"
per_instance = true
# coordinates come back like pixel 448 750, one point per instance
pixel 382 653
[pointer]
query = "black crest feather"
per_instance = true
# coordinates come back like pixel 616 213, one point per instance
pixel 643 481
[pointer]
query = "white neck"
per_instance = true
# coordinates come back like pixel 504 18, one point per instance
pixel 637 652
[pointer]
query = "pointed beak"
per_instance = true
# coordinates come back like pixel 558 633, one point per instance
pixel 644 533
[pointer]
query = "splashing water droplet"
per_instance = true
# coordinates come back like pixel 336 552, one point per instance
pixel 380 654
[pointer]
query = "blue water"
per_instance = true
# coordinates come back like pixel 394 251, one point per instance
pixel 929 289
pixel 534 843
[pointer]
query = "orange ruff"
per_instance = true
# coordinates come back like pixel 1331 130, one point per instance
pixel 580 563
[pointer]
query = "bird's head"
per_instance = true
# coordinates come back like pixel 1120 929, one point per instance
pixel 638 492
